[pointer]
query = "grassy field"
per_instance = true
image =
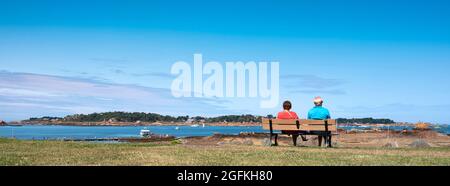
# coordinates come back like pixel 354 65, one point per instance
pixel 17 152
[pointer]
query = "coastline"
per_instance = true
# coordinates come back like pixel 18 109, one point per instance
pixel 161 123
pixel 243 124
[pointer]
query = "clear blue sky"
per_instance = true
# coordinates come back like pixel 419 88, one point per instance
pixel 387 59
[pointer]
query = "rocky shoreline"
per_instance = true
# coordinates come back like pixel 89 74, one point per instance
pixel 345 139
pixel 388 139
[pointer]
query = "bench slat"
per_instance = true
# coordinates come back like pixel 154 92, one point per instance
pixel 280 121
pixel 302 127
pixel 317 122
pixel 301 121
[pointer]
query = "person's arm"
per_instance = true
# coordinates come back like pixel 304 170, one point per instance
pixel 309 115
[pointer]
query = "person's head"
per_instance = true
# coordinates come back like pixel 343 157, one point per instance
pixel 287 105
pixel 318 101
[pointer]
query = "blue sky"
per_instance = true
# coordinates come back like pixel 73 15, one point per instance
pixel 385 59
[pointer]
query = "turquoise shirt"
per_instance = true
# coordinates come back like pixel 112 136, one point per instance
pixel 318 112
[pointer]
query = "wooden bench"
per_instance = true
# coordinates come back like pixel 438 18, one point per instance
pixel 324 129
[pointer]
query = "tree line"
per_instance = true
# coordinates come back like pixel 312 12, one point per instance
pixel 153 117
pixel 365 121
pixel 146 117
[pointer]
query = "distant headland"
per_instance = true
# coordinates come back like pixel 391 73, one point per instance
pixel 119 118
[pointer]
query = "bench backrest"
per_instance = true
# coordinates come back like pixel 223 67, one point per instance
pixel 299 124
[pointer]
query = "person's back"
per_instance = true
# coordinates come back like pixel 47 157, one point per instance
pixel 318 112
pixel 286 113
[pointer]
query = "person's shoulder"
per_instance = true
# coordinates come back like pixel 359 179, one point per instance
pixel 294 114
pixel 311 110
pixel 279 113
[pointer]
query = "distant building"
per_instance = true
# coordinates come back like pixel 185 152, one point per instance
pixel 190 120
pixel 2 122
pixel 112 120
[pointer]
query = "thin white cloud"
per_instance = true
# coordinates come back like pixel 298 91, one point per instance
pixel 25 92
pixel 312 84
pixel 46 95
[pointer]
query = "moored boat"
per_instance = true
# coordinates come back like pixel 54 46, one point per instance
pixel 145 132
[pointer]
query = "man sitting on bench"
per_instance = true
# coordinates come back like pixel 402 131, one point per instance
pixel 288 114
pixel 318 112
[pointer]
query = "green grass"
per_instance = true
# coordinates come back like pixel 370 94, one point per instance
pixel 18 152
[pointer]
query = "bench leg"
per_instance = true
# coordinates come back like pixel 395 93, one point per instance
pixel 294 139
pixel 270 138
pixel 275 136
pixel 329 140
pixel 276 140
pixel 320 140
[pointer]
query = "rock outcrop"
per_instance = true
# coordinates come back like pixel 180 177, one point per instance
pixel 420 144
pixel 391 145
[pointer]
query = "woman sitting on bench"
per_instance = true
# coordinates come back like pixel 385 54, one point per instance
pixel 288 114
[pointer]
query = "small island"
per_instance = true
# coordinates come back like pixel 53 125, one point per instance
pixel 119 118
pixel 142 119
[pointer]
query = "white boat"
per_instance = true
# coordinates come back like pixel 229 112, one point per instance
pixel 176 128
pixel 145 132
pixel 195 125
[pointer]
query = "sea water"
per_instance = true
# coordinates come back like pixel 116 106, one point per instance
pixel 88 132
pixel 40 132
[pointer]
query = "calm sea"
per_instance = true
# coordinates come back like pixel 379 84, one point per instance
pixel 83 132
pixel 80 132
